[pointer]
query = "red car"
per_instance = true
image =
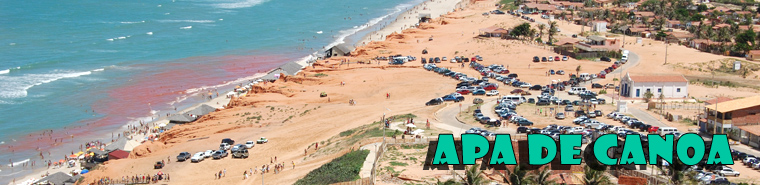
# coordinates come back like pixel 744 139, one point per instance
pixel 557 58
pixel 463 91
pixel 504 72
pixel 653 129
pixel 601 75
pixel 614 67
pixel 516 91
pixel 491 87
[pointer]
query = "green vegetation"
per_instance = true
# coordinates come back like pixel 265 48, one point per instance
pixel 509 4
pixel 394 163
pixel 320 75
pixel 341 169
pixel 346 133
pixel 417 146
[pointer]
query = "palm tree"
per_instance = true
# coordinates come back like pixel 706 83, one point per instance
pixel 532 33
pixel 594 177
pixel 552 30
pixel 542 177
pixel 514 177
pixel 578 70
pixel 473 176
pixel 541 28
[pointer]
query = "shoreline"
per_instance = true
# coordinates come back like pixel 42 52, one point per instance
pixel 410 17
pixel 437 9
pixel 218 102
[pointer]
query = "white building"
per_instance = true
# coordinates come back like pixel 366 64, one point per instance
pixel 671 86
pixel 599 26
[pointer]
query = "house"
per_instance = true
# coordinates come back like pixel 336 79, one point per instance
pixel 568 5
pixel 670 86
pixel 753 55
pixel 598 44
pixel 642 15
pixel 678 37
pixel 599 26
pixel 493 31
pixel 604 3
pixel 57 178
pixel 739 118
pixel 118 154
pixel 703 44
pixel 538 8
pixel 719 26
pixel 674 24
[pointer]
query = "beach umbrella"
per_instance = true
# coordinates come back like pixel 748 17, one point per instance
pixel 72 156
pixel 84 171
pixel 61 161
pixel 79 153
pixel 210 93
pixel 160 173
pixel 237 87
pixel 162 125
pixel 411 125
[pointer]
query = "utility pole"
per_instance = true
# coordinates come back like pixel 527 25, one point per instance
pixel 666 50
pixel 715 117
pixel 384 125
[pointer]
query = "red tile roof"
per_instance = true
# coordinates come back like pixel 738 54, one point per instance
pixel 659 78
pixel 718 100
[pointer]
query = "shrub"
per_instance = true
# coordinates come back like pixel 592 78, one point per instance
pixel 320 75
pixel 342 169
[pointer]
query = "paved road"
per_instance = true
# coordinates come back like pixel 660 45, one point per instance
pixel 447 116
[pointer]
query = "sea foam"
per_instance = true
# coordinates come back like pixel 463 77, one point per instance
pixel 186 27
pixel 239 4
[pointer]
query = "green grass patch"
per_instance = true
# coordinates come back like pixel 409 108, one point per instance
pixel 417 146
pixel 320 75
pixel 347 133
pixel 342 169
pixel 394 163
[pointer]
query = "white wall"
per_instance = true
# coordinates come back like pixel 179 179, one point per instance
pixel 669 89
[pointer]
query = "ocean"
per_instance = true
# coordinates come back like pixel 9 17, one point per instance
pixel 84 69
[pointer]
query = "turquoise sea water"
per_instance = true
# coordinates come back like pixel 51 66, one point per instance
pixel 87 67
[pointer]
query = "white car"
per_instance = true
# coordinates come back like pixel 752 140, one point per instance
pixel 198 157
pixel 526 85
pixel 208 153
pixel 249 144
pixel 492 93
pixel 262 140
pixel 453 60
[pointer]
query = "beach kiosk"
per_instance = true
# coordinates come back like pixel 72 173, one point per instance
pixel 425 17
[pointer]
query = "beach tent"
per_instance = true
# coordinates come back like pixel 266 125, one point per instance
pixel 116 145
pixel 339 50
pixel 131 144
pixel 118 154
pixel 202 110
pixel 181 118
pixel 56 178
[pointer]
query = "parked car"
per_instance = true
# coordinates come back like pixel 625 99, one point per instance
pixel 564 58
pixel 728 172
pixel 560 115
pixel 479 92
pixel 220 154
pixel 197 157
pixel 249 144
pixel 183 156
pixel 158 165
pixel 596 85
pixel 434 101
pixel 492 93
pixel 262 140
pixel 606 59
pixel 543 102
pixel 535 59
pixel 240 153
pixel 522 130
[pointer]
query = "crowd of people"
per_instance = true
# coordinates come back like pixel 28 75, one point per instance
pixel 135 179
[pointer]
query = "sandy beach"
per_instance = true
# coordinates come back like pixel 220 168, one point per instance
pixel 294 118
